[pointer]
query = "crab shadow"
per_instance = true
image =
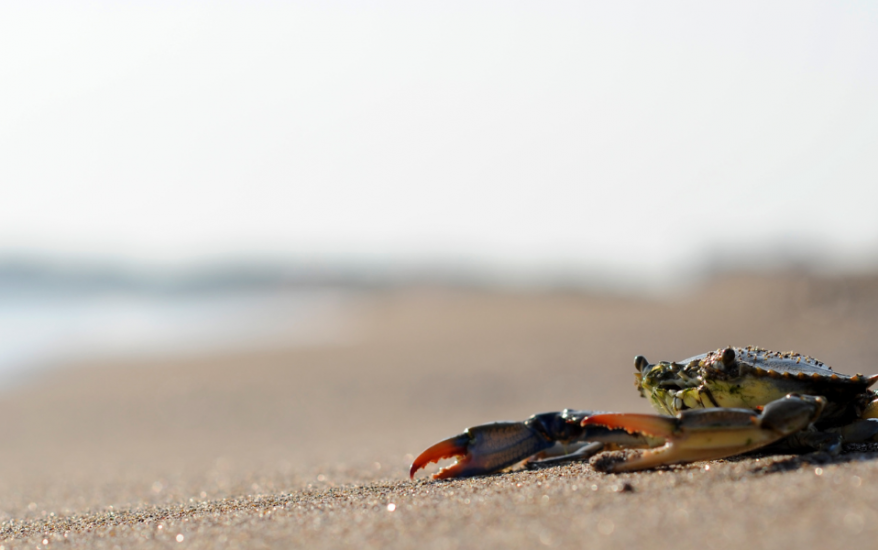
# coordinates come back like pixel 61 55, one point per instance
pixel 860 452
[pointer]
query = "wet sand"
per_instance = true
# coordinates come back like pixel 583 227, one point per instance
pixel 310 446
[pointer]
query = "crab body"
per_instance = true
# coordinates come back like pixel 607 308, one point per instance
pixel 749 378
pixel 717 404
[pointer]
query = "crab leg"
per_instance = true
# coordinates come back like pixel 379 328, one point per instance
pixel 489 448
pixel 708 434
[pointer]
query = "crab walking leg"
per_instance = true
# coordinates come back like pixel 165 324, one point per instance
pixel 870 409
pixel 489 448
pixel 708 434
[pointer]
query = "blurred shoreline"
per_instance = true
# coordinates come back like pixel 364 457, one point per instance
pixel 25 273
pixel 55 313
pixel 51 317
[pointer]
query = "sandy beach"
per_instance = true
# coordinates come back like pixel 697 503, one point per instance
pixel 310 446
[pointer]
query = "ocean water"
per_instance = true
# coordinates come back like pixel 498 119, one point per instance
pixel 43 328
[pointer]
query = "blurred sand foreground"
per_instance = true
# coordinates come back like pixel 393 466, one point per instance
pixel 310 446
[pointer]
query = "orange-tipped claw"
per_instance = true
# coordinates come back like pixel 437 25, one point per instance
pixel 452 447
pixel 649 424
pixel 484 449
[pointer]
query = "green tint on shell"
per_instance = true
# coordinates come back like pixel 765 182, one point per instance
pixel 749 378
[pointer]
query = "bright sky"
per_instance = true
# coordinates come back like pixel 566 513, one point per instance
pixel 582 134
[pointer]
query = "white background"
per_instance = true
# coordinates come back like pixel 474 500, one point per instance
pixel 535 136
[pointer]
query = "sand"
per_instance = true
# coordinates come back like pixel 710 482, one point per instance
pixel 310 446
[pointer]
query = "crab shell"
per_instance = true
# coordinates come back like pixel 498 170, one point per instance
pixel 750 378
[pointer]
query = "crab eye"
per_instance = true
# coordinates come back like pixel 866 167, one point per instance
pixel 640 363
pixel 728 357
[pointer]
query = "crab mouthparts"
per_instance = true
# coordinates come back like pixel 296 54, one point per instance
pixel 453 447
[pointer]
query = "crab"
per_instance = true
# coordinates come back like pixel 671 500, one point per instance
pixel 715 405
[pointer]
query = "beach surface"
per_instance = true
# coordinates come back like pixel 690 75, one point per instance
pixel 309 446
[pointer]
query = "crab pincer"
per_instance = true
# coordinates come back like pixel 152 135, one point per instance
pixel 483 449
pixel 710 434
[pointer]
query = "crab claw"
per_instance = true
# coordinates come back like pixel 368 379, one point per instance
pixel 650 424
pixel 449 448
pixel 483 449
